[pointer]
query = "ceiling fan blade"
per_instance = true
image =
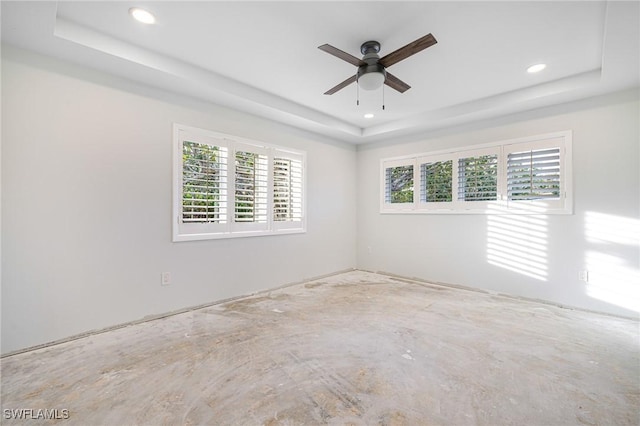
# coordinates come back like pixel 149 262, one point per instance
pixel 341 54
pixel 408 50
pixel 395 83
pixel 341 85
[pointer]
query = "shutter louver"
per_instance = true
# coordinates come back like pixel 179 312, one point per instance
pixel 204 178
pixel 436 179
pixel 287 190
pixel 534 175
pixel 251 182
pixel 478 178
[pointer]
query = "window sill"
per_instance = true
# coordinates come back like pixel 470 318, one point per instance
pixel 488 209
pixel 236 234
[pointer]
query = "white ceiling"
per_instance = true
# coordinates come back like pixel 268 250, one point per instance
pixel 262 57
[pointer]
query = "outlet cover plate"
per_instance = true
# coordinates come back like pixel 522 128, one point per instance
pixel 165 278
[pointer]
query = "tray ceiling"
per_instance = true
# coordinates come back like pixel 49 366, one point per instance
pixel 262 57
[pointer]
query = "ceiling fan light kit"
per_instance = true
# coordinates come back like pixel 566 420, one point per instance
pixel 372 70
pixel 371 79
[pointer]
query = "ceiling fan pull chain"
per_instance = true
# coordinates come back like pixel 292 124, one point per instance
pixel 357 91
pixel 383 96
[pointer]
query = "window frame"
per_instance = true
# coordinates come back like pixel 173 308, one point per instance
pixel 502 205
pixel 227 227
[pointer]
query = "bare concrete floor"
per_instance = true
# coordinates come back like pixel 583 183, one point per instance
pixel 352 349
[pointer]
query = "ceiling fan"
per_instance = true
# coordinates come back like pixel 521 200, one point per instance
pixel 372 69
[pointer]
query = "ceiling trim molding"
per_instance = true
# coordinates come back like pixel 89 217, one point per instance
pixel 219 88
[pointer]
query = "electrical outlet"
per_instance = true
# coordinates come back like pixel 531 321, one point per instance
pixel 583 276
pixel 165 278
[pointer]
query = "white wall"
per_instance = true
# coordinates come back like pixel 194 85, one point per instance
pixel 602 235
pixel 86 208
pixel 86 205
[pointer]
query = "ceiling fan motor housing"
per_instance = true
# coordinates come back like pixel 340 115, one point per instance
pixel 370 46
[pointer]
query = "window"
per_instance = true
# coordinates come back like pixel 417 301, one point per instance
pixel 398 184
pixel 538 174
pixel 204 177
pixel 529 175
pixel 287 189
pixel 435 181
pixel 533 174
pixel 230 187
pixel 251 188
pixel 478 178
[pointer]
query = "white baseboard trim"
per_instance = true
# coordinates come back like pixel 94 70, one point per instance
pixel 154 317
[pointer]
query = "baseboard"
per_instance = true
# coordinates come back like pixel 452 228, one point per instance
pixel 155 317
pixel 410 280
pixel 422 281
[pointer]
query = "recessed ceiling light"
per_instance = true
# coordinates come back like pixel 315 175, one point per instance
pixel 368 115
pixel 142 15
pixel 536 68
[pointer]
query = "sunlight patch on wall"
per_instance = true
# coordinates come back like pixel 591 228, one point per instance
pixel 614 264
pixel 613 281
pixel 610 229
pixel 518 243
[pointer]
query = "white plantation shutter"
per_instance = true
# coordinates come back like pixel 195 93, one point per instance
pixel 399 179
pixel 530 175
pixel 478 178
pixel 533 174
pixel 226 187
pixel 204 178
pixel 201 184
pixel 251 187
pixel 288 183
pixel 538 175
pixel 399 184
pixel 435 181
